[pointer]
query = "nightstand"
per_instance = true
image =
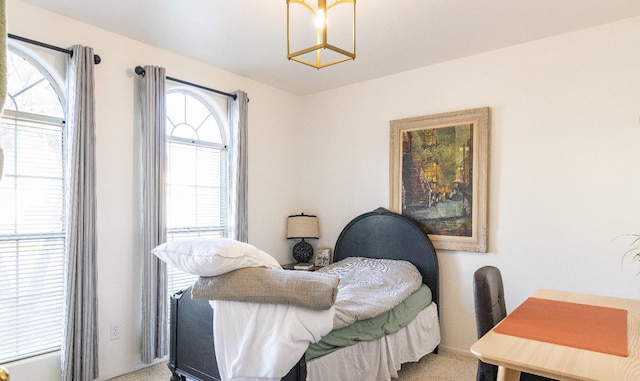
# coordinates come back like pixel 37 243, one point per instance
pixel 289 266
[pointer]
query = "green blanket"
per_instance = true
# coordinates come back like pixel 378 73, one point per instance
pixel 371 329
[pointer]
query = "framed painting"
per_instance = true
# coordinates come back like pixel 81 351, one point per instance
pixel 439 175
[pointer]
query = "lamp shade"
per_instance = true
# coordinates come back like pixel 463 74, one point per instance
pixel 302 226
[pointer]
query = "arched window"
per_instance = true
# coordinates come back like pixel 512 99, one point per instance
pixel 32 211
pixel 197 180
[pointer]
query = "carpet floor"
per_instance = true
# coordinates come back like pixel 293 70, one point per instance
pixel 441 367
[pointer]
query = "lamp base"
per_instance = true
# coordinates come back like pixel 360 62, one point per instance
pixel 302 251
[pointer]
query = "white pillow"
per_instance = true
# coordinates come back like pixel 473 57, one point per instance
pixel 213 256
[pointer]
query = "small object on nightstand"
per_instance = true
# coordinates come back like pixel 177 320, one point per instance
pixel 303 266
pixel 292 267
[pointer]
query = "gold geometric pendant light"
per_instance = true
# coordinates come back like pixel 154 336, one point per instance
pixel 321 36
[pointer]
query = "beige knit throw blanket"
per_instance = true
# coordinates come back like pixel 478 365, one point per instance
pixel 259 285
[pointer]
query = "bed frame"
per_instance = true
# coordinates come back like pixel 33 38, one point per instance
pixel 377 234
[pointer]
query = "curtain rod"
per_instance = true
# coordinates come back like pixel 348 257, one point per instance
pixel 140 71
pixel 96 58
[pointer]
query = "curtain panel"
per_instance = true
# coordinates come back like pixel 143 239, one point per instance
pixel 154 172
pixel 238 203
pixel 80 344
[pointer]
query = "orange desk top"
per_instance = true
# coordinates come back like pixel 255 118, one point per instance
pixel 584 326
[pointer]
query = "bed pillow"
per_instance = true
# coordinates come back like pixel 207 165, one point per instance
pixel 213 256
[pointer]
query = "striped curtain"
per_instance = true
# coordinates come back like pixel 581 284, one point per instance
pixel 80 345
pixel 154 214
pixel 238 214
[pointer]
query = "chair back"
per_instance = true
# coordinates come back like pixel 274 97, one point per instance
pixel 488 293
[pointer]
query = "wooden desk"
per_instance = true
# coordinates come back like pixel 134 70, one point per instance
pixel 514 354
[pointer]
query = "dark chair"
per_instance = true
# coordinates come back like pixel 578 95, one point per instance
pixel 488 293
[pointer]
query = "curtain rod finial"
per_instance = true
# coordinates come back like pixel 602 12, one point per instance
pixel 139 70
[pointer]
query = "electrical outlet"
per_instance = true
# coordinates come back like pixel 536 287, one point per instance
pixel 115 331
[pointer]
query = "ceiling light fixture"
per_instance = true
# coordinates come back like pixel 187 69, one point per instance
pixel 310 29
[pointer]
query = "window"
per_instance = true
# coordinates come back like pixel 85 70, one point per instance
pixel 196 176
pixel 32 212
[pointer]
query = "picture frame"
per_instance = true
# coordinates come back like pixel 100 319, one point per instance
pixel 439 176
pixel 324 257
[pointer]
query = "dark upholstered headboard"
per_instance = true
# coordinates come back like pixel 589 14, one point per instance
pixel 384 234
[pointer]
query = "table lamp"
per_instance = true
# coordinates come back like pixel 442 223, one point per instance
pixel 302 226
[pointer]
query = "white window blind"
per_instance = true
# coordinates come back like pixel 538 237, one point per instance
pixel 32 236
pixel 197 178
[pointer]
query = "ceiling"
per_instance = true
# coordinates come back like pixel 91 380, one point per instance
pixel 248 37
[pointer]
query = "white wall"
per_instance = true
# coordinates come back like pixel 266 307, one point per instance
pixel 564 163
pixel 272 191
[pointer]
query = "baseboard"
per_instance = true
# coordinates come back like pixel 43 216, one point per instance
pixel 107 375
pixel 456 351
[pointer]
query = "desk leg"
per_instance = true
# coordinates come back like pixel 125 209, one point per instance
pixel 505 374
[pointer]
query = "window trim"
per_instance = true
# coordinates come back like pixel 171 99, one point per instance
pixel 213 108
pixel 46 70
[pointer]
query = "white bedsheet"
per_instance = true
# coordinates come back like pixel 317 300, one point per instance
pixel 274 336
pixel 380 360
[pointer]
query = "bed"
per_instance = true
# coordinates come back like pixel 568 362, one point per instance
pixel 379 234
